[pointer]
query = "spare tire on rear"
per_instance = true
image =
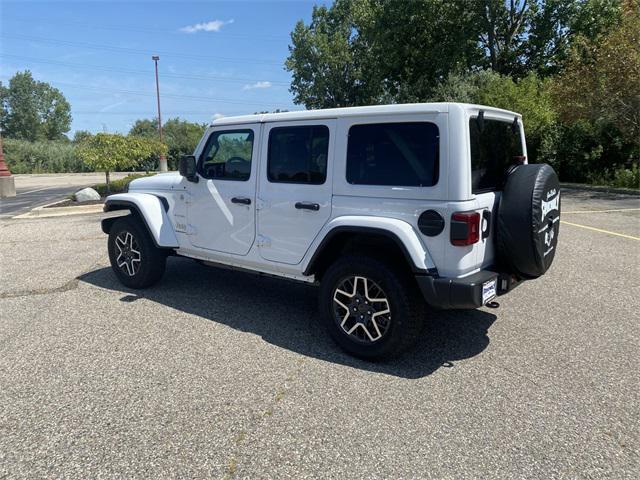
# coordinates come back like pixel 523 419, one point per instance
pixel 528 220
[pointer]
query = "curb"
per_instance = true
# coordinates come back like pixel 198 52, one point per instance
pixel 47 211
pixel 598 188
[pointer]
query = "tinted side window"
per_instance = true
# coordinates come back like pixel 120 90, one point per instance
pixel 227 155
pixel 493 148
pixel 402 154
pixel 298 154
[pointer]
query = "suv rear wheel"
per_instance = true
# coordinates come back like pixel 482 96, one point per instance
pixel 370 309
pixel 136 261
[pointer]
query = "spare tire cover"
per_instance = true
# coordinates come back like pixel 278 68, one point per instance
pixel 529 220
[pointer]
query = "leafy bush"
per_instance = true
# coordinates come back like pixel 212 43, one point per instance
pixel 585 150
pixel 628 178
pixel 120 185
pixel 621 177
pixel 42 157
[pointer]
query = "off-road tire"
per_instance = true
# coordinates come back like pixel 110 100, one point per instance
pixel 404 299
pixel 152 259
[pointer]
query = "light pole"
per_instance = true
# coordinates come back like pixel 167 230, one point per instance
pixel 163 160
pixel 7 182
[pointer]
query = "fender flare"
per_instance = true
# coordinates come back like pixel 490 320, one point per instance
pixel 401 232
pixel 151 209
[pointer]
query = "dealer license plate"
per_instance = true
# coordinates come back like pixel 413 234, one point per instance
pixel 488 290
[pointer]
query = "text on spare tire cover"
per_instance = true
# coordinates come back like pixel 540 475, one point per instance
pixel 550 205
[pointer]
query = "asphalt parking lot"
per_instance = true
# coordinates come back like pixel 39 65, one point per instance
pixel 33 190
pixel 219 374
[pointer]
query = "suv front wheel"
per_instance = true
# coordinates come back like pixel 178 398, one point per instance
pixel 135 259
pixel 370 309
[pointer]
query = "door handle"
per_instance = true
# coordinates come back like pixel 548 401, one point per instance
pixel 307 206
pixel 241 200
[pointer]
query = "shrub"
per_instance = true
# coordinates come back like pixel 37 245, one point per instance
pixel 120 185
pixel 42 157
pixel 584 151
pixel 620 177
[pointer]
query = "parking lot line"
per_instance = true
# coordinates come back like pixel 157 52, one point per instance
pixel 604 211
pixel 600 230
pixel 33 191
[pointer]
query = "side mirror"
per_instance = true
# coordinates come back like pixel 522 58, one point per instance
pixel 187 167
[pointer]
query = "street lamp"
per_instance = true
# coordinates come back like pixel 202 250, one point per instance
pixel 7 182
pixel 163 160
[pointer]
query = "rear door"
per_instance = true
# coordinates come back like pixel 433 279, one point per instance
pixel 496 143
pixel 295 187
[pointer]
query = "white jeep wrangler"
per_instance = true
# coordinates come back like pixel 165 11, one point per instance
pixel 390 208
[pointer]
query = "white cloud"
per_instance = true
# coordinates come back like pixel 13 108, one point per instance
pixel 216 116
pixel 265 84
pixel 212 26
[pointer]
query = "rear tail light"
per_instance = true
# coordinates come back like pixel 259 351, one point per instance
pixel 465 228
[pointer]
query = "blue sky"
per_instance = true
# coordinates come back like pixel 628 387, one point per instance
pixel 216 57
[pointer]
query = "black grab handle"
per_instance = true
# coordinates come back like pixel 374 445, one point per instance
pixel 307 206
pixel 242 200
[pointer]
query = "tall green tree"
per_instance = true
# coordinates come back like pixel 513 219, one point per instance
pixel 520 36
pixel 330 60
pixel 33 110
pixel 602 80
pixel 147 128
pixel 371 51
pixel 180 136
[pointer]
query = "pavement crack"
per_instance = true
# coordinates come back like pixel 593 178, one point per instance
pixel 70 285
pixel 47 241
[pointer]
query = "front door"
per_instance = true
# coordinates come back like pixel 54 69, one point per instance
pixel 295 187
pixel 221 206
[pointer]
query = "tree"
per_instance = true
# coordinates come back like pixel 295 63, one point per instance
pixel 328 58
pixel 360 52
pixel 145 128
pixel 180 136
pixel 520 36
pixel 529 96
pixel 415 45
pixel 602 81
pixel 81 135
pixel 107 152
pixel 33 110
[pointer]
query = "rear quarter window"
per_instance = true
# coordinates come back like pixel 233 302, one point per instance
pixel 398 154
pixel 494 147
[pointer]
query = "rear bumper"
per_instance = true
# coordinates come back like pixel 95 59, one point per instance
pixel 464 292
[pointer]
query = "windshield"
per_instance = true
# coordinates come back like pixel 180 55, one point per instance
pixel 495 146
